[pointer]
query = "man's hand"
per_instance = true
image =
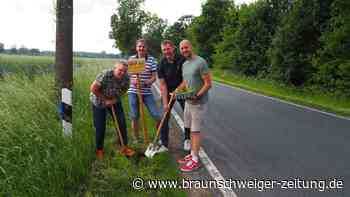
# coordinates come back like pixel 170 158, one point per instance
pixel 195 97
pixel 173 94
pixel 132 61
pixel 146 84
pixel 133 82
pixel 110 102
pixel 165 108
pixel 143 84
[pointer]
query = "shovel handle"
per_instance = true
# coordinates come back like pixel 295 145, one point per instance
pixel 117 127
pixel 141 109
pixel 163 119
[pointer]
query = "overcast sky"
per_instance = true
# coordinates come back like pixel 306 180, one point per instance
pixel 31 22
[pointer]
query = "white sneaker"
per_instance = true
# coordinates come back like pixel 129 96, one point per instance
pixel 162 148
pixel 187 145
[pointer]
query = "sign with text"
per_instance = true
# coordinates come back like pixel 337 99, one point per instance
pixel 136 65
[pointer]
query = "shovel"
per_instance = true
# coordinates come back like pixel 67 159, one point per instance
pixel 124 150
pixel 153 148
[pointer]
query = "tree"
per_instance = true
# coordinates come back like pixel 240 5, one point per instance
pixel 247 34
pixel 225 51
pixel 23 50
pixel 252 38
pixel 13 49
pixel 34 51
pixel 154 29
pixel 333 59
pixel 205 29
pixel 177 31
pixel 2 47
pixel 127 25
pixel 296 41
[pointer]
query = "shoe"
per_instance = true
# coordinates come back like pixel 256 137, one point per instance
pixel 190 166
pixel 99 154
pixel 186 159
pixel 162 148
pixel 187 145
pixel 127 151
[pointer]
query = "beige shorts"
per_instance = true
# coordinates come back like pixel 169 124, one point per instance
pixel 194 115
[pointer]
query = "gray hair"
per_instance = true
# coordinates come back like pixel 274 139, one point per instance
pixel 121 62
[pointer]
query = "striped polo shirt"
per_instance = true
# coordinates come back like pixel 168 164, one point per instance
pixel 150 67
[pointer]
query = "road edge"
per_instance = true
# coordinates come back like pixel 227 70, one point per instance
pixel 206 161
pixel 282 101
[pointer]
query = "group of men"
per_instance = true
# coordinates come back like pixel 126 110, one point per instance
pixel 175 72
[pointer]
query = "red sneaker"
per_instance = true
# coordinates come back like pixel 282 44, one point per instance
pixel 99 154
pixel 186 159
pixel 190 166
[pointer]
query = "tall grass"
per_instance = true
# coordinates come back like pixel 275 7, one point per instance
pixel 33 151
pixel 37 160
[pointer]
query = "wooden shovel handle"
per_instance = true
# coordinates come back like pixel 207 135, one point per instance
pixel 117 127
pixel 163 118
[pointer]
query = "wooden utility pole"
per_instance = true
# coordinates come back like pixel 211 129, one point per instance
pixel 64 61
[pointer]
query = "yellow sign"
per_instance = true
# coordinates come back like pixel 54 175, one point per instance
pixel 136 65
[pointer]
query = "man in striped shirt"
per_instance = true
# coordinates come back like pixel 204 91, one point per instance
pixel 146 79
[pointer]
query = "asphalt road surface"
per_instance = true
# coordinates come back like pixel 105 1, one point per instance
pixel 251 137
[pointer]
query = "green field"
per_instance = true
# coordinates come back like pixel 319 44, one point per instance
pixel 37 160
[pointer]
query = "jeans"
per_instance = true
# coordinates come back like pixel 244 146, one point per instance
pixel 164 132
pixel 99 117
pixel 150 103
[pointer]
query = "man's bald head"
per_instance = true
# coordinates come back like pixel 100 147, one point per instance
pixel 186 42
pixel 186 49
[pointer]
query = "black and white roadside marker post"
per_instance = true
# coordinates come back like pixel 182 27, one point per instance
pixel 64 62
pixel 66 111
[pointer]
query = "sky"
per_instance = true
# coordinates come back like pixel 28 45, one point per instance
pixel 31 23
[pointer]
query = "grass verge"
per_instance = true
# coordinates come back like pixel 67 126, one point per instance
pixel 37 160
pixel 323 101
pixel 113 176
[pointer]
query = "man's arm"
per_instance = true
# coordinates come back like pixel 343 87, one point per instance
pixel 125 87
pixel 164 92
pixel 181 86
pixel 95 88
pixel 150 81
pixel 206 86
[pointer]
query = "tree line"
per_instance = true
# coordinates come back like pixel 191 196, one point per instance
pixel 297 42
pixel 21 50
pixel 36 52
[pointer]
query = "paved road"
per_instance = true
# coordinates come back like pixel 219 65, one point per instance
pixel 250 136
